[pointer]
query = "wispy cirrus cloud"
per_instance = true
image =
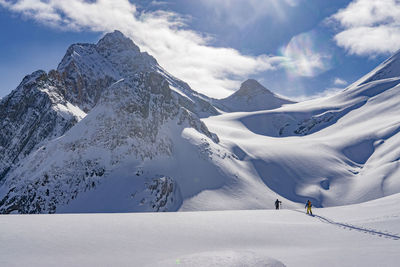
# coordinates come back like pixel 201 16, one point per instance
pixel 214 71
pixel 369 27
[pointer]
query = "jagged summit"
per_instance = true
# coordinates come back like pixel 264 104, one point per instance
pixel 32 77
pixel 117 41
pixel 88 69
pixel 251 96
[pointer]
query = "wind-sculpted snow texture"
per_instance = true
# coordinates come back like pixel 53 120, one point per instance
pixel 111 131
pixel 335 151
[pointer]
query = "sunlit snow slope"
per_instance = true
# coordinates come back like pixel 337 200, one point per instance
pixel 338 150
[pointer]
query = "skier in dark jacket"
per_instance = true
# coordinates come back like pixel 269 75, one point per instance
pixel 308 207
pixel 277 202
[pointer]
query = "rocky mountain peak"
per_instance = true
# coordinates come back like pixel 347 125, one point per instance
pixel 33 76
pixel 117 41
pixel 88 69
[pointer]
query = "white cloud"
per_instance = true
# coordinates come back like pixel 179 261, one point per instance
pixel 303 57
pixel 185 53
pixel 340 82
pixel 369 27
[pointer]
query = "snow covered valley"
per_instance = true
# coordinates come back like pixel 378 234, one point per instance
pixel 366 234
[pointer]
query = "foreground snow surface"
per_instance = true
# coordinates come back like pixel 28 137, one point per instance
pixel 365 234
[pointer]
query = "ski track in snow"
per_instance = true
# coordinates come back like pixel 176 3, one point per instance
pixel 384 234
pixel 214 238
pixel 358 228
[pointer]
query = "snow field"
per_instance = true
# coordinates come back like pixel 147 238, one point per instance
pixel 214 238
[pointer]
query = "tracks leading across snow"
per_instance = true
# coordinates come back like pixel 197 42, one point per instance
pixel 357 228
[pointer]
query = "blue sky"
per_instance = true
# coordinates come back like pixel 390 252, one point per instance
pixel 296 48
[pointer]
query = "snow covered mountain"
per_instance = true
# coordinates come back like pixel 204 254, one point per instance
pixel 251 96
pixel 112 131
pixel 133 118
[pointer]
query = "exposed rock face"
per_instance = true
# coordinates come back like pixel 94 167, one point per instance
pixel 31 114
pixel 163 194
pixel 88 69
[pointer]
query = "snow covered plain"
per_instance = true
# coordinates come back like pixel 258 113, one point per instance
pixel 366 234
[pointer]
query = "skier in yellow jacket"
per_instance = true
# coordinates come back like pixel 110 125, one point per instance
pixel 308 207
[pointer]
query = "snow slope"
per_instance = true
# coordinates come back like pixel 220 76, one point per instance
pixel 338 150
pixel 365 234
pixel 390 68
pixel 138 119
pixel 135 110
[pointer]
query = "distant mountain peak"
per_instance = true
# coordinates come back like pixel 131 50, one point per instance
pixel 252 87
pixel 251 96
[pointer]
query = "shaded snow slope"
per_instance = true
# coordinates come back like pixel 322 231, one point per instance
pixel 251 96
pixel 126 124
pixel 366 234
pixel 45 105
pixel 137 150
pixel 136 120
